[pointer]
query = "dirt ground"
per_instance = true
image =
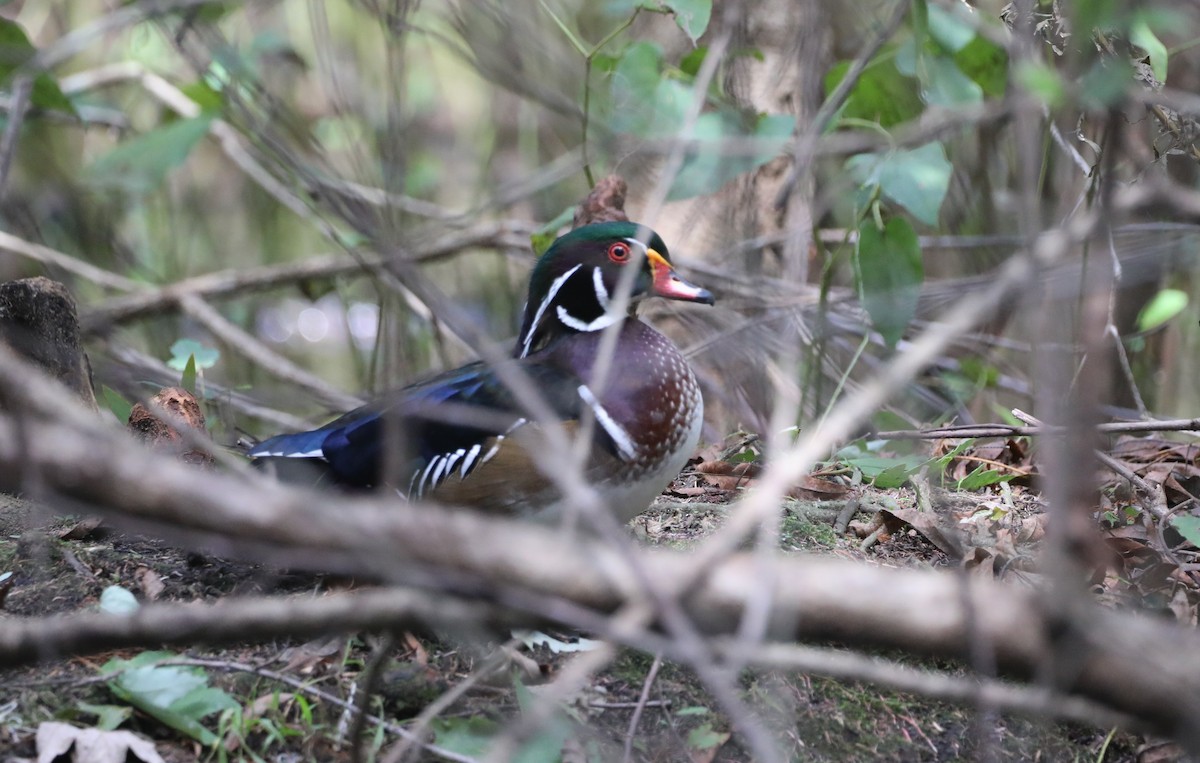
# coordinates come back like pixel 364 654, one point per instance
pixel 286 692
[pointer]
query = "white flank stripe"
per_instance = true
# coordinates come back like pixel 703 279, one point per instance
pixel 315 453
pixel 436 478
pixel 424 475
pixel 472 454
pixel 620 437
pixel 537 317
pixel 494 449
pixel 452 460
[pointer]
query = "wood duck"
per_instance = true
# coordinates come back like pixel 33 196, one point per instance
pixel 464 440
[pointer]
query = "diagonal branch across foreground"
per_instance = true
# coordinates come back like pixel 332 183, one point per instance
pixel 1145 668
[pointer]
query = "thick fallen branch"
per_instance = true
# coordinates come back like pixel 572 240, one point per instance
pixel 1148 669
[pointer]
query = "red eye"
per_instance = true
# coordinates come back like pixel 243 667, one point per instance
pixel 619 252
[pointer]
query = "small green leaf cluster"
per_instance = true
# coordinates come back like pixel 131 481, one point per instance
pixel 939 61
pixel 892 471
pixel 18 57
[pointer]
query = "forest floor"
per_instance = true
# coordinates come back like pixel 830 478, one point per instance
pixel 285 700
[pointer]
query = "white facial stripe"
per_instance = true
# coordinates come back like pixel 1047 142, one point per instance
pixel 639 245
pixel 621 438
pixel 537 317
pixel 606 319
pixel 601 289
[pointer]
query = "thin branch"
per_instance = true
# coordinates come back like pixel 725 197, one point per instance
pixel 238 281
pixel 1010 430
pixel 258 353
pixel 22 85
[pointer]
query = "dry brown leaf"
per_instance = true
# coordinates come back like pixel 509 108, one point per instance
pixel 420 656
pixel 817 489
pixel 149 581
pixel 80 530
pixel 306 657
pixel 947 538
pixel 980 562
pixel 1160 752
pixel 1032 529
pixel 161 435
pixel 55 740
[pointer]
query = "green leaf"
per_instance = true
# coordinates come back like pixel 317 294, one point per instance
pixel 692 16
pixel 946 85
pixel 690 64
pixel 205 96
pixel 1161 308
pixel 704 737
pixel 108 717
pixel 469 736
pixel 1142 36
pixel 889 272
pixel 15 51
pixel 1188 527
pixel 188 379
pixel 1105 83
pixel 115 600
pixel 120 407
pixel 943 461
pixel 203 701
pixel 892 477
pixel 635 82
pixel 873 466
pixel 949 29
pixel 543 237
pixel 141 164
pixel 1094 14
pixel 46 94
pixel 693 710
pixel 882 94
pixel 983 477
pixel 177 696
pixel 183 349
pixel 15 48
pixel 1042 81
pixel 705 169
pixel 986 63
pixel 916 180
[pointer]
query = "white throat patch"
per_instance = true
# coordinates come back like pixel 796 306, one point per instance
pixel 606 318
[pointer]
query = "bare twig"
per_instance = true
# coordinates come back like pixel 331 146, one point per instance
pixel 258 353
pixel 238 281
pixel 643 699
pixel 22 85
pixel 1008 430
